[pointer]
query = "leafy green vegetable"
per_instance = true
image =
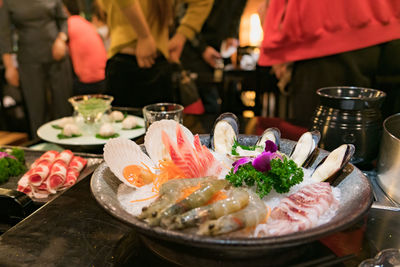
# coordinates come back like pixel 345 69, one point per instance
pixel 19 154
pixel 134 128
pixel 12 166
pixel 283 175
pixel 107 137
pixel 62 136
pixel 236 145
pixel 56 127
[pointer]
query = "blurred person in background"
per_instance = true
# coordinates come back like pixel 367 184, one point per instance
pixel 99 20
pixel 200 55
pixel 42 58
pixel 138 72
pixel 87 52
pixel 332 43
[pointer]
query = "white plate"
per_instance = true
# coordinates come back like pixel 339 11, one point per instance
pixel 49 134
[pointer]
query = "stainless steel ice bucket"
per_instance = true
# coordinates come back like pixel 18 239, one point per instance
pixel 389 158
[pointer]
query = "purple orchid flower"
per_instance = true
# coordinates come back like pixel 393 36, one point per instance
pixel 240 162
pixel 270 146
pixel 5 155
pixel 262 162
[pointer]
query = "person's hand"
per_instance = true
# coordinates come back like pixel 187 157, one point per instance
pixel 59 49
pixel 146 51
pixel 175 47
pixel 12 76
pixel 210 55
pixel 280 69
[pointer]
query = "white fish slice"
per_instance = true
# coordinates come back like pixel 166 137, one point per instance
pixel 120 152
pixel 153 141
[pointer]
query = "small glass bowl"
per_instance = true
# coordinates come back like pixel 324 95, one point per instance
pixel 91 107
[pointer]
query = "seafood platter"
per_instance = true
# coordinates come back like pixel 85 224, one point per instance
pixel 235 195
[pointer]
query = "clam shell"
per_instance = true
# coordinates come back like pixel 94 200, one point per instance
pixel 153 141
pixel 273 134
pixel 331 166
pixel 121 152
pixel 305 151
pixel 225 131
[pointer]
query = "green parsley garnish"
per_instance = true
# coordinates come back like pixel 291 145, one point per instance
pixel 283 175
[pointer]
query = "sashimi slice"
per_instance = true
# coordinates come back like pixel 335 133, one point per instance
pixel 301 210
pixel 153 140
pixel 188 152
pixel 120 153
pixel 175 155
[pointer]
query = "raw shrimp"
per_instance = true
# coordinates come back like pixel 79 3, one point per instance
pixel 254 213
pixel 194 200
pixel 238 198
pixel 169 194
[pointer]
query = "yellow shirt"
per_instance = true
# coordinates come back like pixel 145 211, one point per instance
pixel 123 35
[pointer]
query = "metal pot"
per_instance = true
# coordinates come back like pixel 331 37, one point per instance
pixel 350 115
pixel 389 158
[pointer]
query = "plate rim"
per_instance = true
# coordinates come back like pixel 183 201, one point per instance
pixel 57 141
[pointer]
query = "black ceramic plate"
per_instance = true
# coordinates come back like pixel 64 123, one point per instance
pixel 355 201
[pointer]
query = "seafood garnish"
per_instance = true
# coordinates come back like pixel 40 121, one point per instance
pixel 333 163
pixel 253 214
pixel 236 200
pixel 300 211
pixel 120 153
pixel 169 193
pixel 224 133
pixel 273 134
pixel 153 142
pixel 305 147
pixel 198 198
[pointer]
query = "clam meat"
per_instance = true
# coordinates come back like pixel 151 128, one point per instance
pixel 224 133
pixel 273 134
pixel 329 168
pixel 305 147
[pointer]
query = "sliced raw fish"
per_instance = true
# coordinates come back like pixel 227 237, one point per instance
pixel 194 161
pixel 301 210
pixel 153 140
pixel 120 153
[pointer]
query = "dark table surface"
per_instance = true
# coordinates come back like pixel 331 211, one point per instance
pixel 73 230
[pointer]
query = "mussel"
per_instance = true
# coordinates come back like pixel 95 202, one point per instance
pixel 306 149
pixel 273 134
pixel 224 133
pixel 329 168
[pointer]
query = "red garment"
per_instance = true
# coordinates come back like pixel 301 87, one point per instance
pixel 303 29
pixel 87 50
